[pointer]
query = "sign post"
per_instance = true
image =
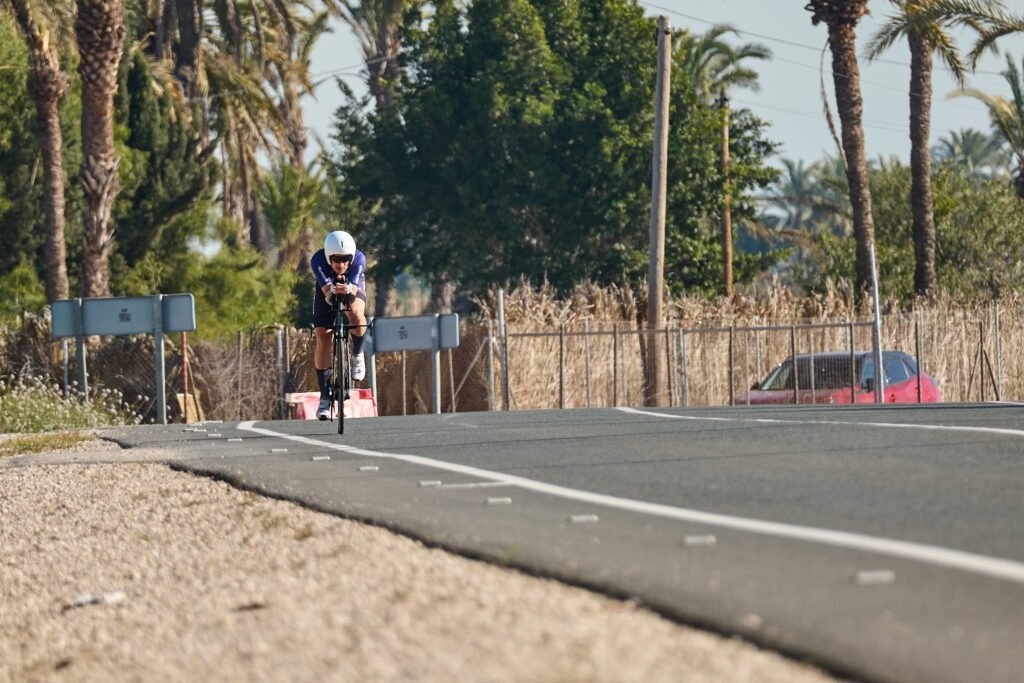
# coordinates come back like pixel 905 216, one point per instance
pixel 419 333
pixel 115 316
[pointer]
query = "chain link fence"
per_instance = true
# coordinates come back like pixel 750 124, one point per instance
pixel 975 354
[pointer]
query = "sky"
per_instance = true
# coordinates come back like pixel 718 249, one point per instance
pixel 789 98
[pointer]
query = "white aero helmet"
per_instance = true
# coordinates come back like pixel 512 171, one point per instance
pixel 341 243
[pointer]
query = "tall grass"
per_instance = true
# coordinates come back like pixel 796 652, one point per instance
pixel 602 328
pixel 555 339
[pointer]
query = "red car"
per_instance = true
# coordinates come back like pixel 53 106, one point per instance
pixel 826 378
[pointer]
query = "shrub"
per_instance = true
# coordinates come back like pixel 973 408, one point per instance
pixel 30 405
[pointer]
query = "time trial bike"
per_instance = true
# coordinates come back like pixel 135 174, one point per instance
pixel 339 384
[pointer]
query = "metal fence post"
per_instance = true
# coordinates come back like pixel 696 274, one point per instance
pixel 561 366
pixel 981 359
pixel 184 374
pixel 853 362
pixel 668 367
pixel 503 333
pixel 490 365
pixel 586 346
pixel 625 370
pixel 757 354
pixel 66 360
pixel 683 367
pixel 917 352
pixel 280 372
pixel 451 379
pixel 876 337
pixel 999 355
pixel 238 395
pixel 158 346
pixel 615 365
pixel 746 364
pixel 288 357
pixel 796 374
pixel 732 365
pixel 80 361
pixel 810 351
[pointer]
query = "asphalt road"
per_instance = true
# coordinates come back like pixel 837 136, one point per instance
pixel 885 544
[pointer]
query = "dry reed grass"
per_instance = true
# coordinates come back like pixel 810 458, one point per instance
pixel 586 348
pixel 600 330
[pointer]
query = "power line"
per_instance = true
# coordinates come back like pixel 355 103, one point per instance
pixel 867 123
pixel 358 66
pixel 783 41
pixel 881 85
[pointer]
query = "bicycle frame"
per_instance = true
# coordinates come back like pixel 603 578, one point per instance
pixel 340 363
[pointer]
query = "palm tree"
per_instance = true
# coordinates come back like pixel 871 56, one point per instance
pixel 841 18
pixel 972 152
pixel 793 194
pixel 99 28
pixel 290 196
pixel 996 21
pixel 42 23
pixel 377 26
pixel 927 35
pixel 713 65
pixel 292 76
pixel 1008 117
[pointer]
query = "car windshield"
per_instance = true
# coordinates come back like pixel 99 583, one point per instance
pixel 830 372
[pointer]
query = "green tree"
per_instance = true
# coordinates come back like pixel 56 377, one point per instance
pixel 234 289
pixel 21 230
pixel 521 146
pixel 980 231
pixel 23 293
pixel 167 172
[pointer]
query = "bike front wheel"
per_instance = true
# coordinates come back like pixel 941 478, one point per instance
pixel 339 377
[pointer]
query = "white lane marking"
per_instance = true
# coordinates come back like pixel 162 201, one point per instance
pixel 994 567
pixel 476 485
pixel 874 577
pixel 705 539
pixel 584 519
pixel 768 420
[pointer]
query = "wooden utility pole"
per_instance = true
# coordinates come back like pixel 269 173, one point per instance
pixel 659 185
pixel 723 102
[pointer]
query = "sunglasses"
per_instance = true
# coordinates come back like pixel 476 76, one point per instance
pixel 338 258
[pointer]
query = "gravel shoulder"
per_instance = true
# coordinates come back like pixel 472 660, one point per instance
pixel 116 567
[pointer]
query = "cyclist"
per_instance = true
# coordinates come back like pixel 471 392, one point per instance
pixel 338 260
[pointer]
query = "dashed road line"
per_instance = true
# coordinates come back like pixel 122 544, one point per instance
pixel 1007 570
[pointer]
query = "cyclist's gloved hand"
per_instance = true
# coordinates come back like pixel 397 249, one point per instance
pixel 344 292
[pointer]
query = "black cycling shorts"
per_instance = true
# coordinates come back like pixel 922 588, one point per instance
pixel 323 316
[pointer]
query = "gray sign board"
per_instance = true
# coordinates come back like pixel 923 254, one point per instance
pixel 124 315
pixel 120 315
pixel 416 333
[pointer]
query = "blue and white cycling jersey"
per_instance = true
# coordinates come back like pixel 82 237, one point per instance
pixel 324 274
